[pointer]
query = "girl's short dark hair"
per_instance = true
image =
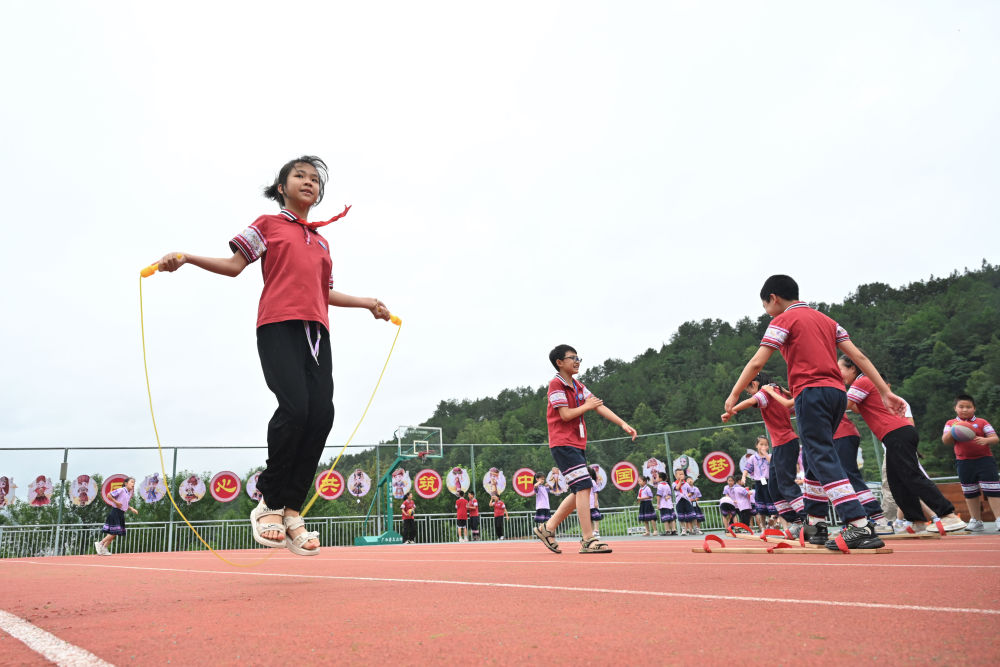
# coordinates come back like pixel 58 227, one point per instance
pixel 662 475
pixel 272 191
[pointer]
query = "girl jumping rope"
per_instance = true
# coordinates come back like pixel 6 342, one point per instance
pixel 293 343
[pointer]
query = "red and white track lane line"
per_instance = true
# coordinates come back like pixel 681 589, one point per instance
pixel 536 587
pixel 547 560
pixel 48 645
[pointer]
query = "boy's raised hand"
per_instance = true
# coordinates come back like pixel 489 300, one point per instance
pixel 726 416
pixel 592 402
pixel 731 401
pixel 631 431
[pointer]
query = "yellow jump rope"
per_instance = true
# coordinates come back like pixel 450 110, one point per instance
pixel 150 270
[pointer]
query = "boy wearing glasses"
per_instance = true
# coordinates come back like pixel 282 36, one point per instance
pixel 568 402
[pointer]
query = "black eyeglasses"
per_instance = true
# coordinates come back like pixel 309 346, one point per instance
pixel 574 358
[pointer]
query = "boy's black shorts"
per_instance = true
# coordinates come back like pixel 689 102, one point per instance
pixel 573 465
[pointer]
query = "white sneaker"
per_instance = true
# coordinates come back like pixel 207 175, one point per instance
pixel 975 526
pixel 998 525
pixel 98 547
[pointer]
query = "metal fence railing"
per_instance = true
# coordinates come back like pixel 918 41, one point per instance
pixel 78 539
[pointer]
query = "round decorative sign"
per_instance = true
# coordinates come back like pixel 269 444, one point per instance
pixel 602 477
pixel 688 465
pixel 225 486
pixel 494 482
pixel 192 489
pixel 624 476
pixel 112 482
pixel 718 466
pixel 359 483
pixel 329 484
pixel 152 488
pixel 524 482
pixel 82 491
pixel 252 486
pixel 458 480
pixel 428 483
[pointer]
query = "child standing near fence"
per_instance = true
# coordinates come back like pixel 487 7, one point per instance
pixel 499 514
pixel 977 469
pixel 685 510
pixel 543 507
pixel 646 514
pixel 699 516
pixel 114 525
pixel 462 517
pixel 665 502
pixel 473 507
pixel 407 510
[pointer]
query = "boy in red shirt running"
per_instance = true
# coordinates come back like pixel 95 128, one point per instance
pixel 809 340
pixel 568 402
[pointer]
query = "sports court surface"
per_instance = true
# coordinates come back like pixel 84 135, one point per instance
pixel 931 601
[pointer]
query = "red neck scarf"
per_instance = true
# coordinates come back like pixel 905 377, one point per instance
pixel 314 225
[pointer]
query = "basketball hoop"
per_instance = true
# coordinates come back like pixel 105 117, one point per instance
pixel 421 455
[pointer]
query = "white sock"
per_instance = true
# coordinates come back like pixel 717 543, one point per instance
pixel 860 523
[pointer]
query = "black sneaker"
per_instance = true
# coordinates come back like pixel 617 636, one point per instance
pixel 817 534
pixel 856 537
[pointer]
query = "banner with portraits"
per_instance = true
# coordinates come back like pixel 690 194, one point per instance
pixel 192 489
pixel 458 480
pixel 152 489
pixel 7 487
pixel 494 482
pixel 40 491
pixel 82 490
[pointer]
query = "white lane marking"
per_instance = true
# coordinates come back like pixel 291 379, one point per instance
pixel 537 587
pixel 602 561
pixel 46 644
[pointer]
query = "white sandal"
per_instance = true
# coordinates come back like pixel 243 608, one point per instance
pixel 257 513
pixel 294 544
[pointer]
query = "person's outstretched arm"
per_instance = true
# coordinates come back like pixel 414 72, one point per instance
pixel 225 266
pixel 378 309
pixel 606 412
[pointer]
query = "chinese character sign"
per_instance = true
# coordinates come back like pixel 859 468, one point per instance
pixel 428 483
pixel 225 486
pixel 524 482
pixel 112 482
pixel 329 484
pixel 718 466
pixel 624 476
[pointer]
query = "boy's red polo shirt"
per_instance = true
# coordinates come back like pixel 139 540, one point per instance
pixel 564 395
pixel 808 340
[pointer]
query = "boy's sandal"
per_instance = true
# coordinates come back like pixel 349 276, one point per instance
pixel 548 538
pixel 259 512
pixel 594 546
pixel 294 544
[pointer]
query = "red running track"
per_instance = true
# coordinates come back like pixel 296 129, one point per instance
pixel 932 601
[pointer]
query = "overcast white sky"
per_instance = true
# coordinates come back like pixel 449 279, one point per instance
pixel 521 175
